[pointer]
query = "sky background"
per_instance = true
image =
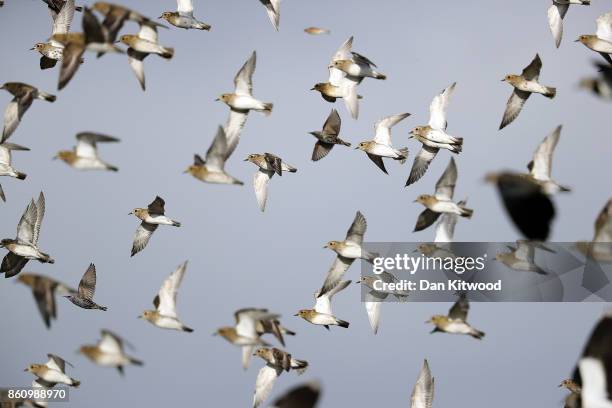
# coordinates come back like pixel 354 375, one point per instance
pixel 239 257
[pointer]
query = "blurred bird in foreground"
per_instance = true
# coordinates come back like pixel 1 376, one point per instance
pixel 23 96
pixel 347 251
pixel 83 298
pixel 556 14
pixel 593 371
pixel 25 246
pixel 151 217
pixel 212 170
pixel 241 102
pixel 600 248
pixel 600 85
pixel 183 17
pixel 601 41
pixel 526 202
pixel 442 201
pixel 423 391
pixel 456 321
pixel 277 361
pixel 328 136
pixel 433 136
pixel 109 352
pixel 6 169
pixel 85 155
pixel 52 372
pixel 522 258
pixel 301 396
pixel 244 334
pixel 321 314
pixel 316 31
pixel 141 45
pixel 268 164
pixel 381 146
pixel 273 10
pixel 524 85
pixel 52 51
pixel 44 290
pixel 540 167
pixel 573 398
pixel 164 316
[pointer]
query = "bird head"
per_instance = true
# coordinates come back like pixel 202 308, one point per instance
pixel 33 368
pixel 332 245
pixel 38 47
pixel 128 39
pixel 362 146
pixel 584 38
pixel 302 313
pixel 226 97
pixel 138 212
pixel 437 319
pixel 252 158
pixel 423 199
pixel 319 87
pixel 165 15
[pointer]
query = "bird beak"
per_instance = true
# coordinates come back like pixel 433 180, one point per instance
pixel 428 321
pixel 297 314
pixel 186 171
pixel 215 334
pixel 560 385
pixel 131 213
pixel 25 370
pixel 139 317
pixel 416 201
pixel 32 49
pixel 216 100
pixel 415 251
pixel 160 17
pixel 55 157
pixel 246 159
pixel 312 89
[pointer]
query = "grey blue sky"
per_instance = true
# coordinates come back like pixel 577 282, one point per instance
pixel 240 257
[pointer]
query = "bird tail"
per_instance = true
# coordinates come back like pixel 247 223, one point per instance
pixel 369 256
pixel 167 52
pixel 550 92
pixel 47 259
pixel 291 169
pixel 379 75
pixel 299 365
pixel 135 361
pixel 477 334
pixel 21 176
pixel 187 329
pixel 267 109
pixel 466 212
pixel 238 182
pixel 403 155
pixel 203 26
pixel 342 142
pixel 564 189
pixel 103 308
pixel 342 323
pixel 46 96
pixel 112 168
pixel 176 224
pixel 286 331
pixel 75 383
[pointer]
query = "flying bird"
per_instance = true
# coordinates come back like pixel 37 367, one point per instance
pixel 52 372
pixel 328 136
pixel 183 17
pixel 373 298
pixel 556 14
pixel 141 45
pixel 347 251
pixel 151 218
pixel 44 290
pixel 340 84
pixel 241 102
pixel 6 169
pixel 573 398
pixel 23 96
pixel 526 202
pixel 301 396
pixel 85 155
pixel 164 316
pixel 381 145
pixel 109 352
pixel 321 314
pixel 524 85
pixel 540 166
pixel 601 41
pixel 277 361
pixel 456 321
pixel 212 170
pixel 268 164
pixel 359 66
pixel 273 10
pixel 52 51
pixel 522 258
pixel 83 298
pixel 433 136
pixel 442 201
pixel 601 85
pixel 600 248
pixel 244 333
pixel 316 31
pixel 423 391
pixel 25 246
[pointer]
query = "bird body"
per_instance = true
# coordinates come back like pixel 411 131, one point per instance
pixel 23 96
pixel 109 352
pixel 85 155
pixel 269 164
pixel 151 217
pixel 321 314
pixel 53 372
pixel 146 46
pixel 83 298
pixel 358 69
pixel 525 85
pixel 443 206
pixel 183 17
pixel 44 290
pixel 456 321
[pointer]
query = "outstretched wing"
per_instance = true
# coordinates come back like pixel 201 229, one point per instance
pixel 87 286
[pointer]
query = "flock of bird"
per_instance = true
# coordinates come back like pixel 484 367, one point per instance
pixel 527 196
